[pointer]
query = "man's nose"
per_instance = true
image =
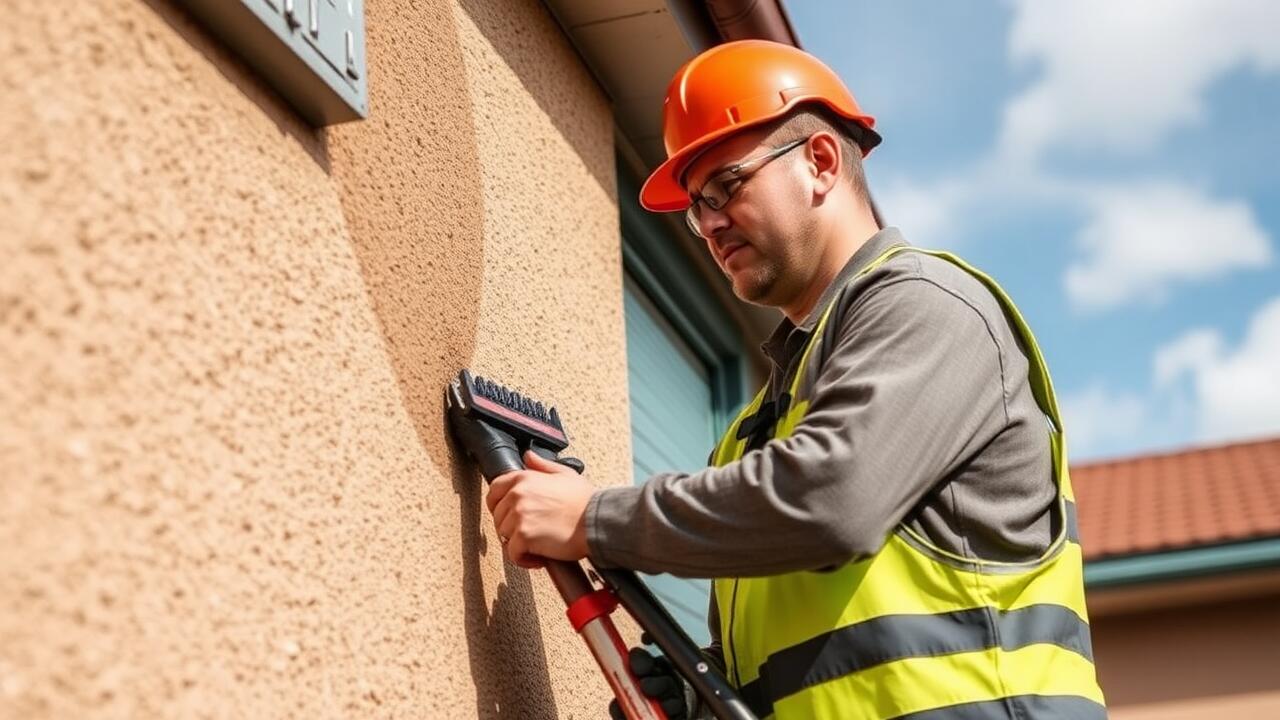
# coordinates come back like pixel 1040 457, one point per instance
pixel 712 222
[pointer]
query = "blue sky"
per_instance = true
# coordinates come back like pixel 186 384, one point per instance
pixel 1117 170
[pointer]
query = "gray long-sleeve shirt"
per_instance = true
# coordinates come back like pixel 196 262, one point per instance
pixel 920 412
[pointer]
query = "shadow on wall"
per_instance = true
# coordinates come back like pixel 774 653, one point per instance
pixel 412 197
pixel 246 80
pixel 523 49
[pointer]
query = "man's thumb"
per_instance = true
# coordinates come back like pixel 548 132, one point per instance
pixel 534 461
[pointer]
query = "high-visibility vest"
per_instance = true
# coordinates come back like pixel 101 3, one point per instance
pixel 915 631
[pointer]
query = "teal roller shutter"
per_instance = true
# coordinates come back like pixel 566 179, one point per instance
pixel 672 428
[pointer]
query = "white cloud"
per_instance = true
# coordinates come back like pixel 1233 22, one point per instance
pixel 1238 392
pixel 1202 388
pixel 1097 417
pixel 939 214
pixel 1143 239
pixel 923 213
pixel 1112 76
pixel 1123 75
pixel 1193 350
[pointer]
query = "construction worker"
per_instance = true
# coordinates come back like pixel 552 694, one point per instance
pixel 889 523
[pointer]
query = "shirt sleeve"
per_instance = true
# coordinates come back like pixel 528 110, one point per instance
pixel 912 386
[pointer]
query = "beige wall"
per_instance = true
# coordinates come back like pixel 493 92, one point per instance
pixel 1192 662
pixel 225 487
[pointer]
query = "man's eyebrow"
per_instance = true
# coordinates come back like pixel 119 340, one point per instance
pixel 718 172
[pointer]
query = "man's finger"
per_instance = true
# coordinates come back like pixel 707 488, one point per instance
pixel 675 708
pixel 515 547
pixel 531 562
pixel 500 486
pixel 502 507
pixel 661 686
pixel 534 461
pixel 663 666
pixel 506 528
pixel 641 662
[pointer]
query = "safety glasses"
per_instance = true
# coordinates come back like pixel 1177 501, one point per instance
pixel 717 191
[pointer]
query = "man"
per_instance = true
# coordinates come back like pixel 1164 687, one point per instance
pixel 889 523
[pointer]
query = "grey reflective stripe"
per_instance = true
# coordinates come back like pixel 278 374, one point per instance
pixel 753 695
pixel 888 638
pixel 1040 707
pixel 1073 524
pixel 1052 624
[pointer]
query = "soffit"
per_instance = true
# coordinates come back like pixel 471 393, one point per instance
pixel 634 47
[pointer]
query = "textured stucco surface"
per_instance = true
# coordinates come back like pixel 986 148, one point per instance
pixel 225 486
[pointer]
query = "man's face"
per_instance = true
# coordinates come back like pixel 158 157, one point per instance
pixel 759 238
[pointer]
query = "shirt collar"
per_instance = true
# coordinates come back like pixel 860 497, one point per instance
pixel 777 347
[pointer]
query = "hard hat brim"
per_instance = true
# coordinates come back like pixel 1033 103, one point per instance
pixel 663 191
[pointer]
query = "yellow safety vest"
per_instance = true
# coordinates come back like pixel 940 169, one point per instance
pixel 915 631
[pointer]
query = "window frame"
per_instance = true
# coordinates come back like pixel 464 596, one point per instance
pixel 665 272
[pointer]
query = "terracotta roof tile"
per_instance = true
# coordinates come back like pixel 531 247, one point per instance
pixel 1198 496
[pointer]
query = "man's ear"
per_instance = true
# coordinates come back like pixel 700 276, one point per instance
pixel 825 161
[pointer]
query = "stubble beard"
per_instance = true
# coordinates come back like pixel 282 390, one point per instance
pixel 756 285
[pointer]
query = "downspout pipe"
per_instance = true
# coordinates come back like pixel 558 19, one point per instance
pixel 746 19
pixel 706 23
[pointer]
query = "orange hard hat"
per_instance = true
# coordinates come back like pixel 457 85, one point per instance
pixel 735 86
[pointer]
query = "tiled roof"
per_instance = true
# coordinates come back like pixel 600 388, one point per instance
pixel 1189 498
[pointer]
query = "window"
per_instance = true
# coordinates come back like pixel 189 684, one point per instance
pixel 685 371
pixel 672 428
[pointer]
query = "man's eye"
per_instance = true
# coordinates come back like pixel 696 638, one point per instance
pixel 718 192
pixel 713 194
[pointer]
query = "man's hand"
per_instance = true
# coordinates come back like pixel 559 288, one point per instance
pixel 658 680
pixel 540 512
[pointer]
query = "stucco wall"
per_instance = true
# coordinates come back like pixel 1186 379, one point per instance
pixel 225 486
pixel 1205 661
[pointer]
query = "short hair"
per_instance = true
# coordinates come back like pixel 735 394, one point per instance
pixel 811 118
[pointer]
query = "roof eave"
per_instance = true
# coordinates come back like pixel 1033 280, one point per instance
pixel 1181 564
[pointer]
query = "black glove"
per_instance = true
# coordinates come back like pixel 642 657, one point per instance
pixel 659 681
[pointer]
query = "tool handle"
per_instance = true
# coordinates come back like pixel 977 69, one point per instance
pixel 707 680
pixel 497 452
pixel 588 611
